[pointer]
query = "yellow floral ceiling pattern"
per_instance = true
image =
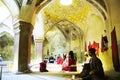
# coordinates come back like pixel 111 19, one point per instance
pixel 77 13
pixel 74 12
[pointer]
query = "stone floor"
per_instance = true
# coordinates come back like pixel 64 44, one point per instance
pixel 54 73
pixel 32 76
pixel 112 75
pixel 39 76
pixel 52 76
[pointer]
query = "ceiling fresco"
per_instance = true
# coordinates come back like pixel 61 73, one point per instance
pixel 76 14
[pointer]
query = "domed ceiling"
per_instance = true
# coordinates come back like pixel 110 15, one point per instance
pixel 70 21
pixel 75 14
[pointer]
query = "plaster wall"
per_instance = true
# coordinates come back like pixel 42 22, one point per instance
pixel 115 20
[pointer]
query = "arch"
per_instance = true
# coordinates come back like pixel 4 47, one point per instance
pixel 70 38
pixel 100 6
pixel 62 24
pixel 14 9
pixel 7 26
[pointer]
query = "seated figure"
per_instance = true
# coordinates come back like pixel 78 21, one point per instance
pixel 94 69
pixel 70 63
pixel 43 66
pixel 59 60
pixel 51 59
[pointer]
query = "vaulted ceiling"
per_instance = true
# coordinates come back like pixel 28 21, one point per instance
pixel 72 18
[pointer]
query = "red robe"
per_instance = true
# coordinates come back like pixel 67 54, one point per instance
pixel 69 64
pixel 43 67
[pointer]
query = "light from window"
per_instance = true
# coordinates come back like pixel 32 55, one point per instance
pixel 66 2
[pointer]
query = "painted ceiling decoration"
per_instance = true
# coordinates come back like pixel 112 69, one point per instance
pixel 57 11
pixel 76 13
pixel 69 28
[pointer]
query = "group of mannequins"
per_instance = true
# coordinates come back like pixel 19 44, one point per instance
pixel 68 62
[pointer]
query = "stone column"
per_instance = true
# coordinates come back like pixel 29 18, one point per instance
pixel 38 49
pixel 24 46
